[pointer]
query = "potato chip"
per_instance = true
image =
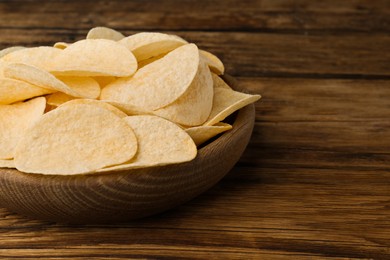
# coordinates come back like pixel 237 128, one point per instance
pixel 6 51
pixel 98 103
pixel 95 57
pixel 61 45
pixel 58 98
pixel 104 33
pixel 15 121
pixel 158 84
pixel 213 62
pixel 12 90
pixel 201 134
pixel 226 102
pixel 146 45
pixel 40 57
pixel 194 107
pixel 75 139
pixel 7 163
pixel 218 82
pixel 72 86
pixel 160 142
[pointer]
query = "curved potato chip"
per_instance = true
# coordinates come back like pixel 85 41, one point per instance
pixel 194 107
pixel 226 102
pixel 95 57
pixel 40 57
pixel 158 84
pixel 7 163
pixel 165 144
pixel 104 33
pixel 12 90
pixel 8 50
pixel 218 82
pixel 201 134
pixel 15 121
pixel 146 45
pixel 213 62
pixel 58 98
pixel 84 87
pixel 61 45
pixel 98 103
pixel 75 139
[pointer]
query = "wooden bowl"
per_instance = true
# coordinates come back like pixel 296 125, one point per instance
pixel 125 195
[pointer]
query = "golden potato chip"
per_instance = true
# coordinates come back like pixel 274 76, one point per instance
pixel 226 102
pixel 194 107
pixel 104 33
pixel 201 134
pixel 72 86
pixel 58 98
pixel 98 103
pixel 213 62
pixel 61 45
pixel 40 57
pixel 12 90
pixel 146 45
pixel 160 142
pixel 75 139
pixel 218 82
pixel 158 84
pixel 95 57
pixel 15 121
pixel 6 51
pixel 7 163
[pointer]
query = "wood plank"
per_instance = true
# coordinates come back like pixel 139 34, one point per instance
pixel 150 252
pixel 346 113
pixel 320 124
pixel 314 182
pixel 252 15
pixel 262 54
pixel 314 100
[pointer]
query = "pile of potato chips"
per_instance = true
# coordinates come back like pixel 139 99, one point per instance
pixel 110 102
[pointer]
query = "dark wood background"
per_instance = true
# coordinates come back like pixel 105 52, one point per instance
pixel 315 179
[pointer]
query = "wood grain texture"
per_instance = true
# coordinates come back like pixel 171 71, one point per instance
pixel 314 182
pixel 262 54
pixel 249 15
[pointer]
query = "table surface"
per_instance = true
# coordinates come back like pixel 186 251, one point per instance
pixel 315 178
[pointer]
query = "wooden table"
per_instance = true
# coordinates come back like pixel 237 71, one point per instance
pixel 315 179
